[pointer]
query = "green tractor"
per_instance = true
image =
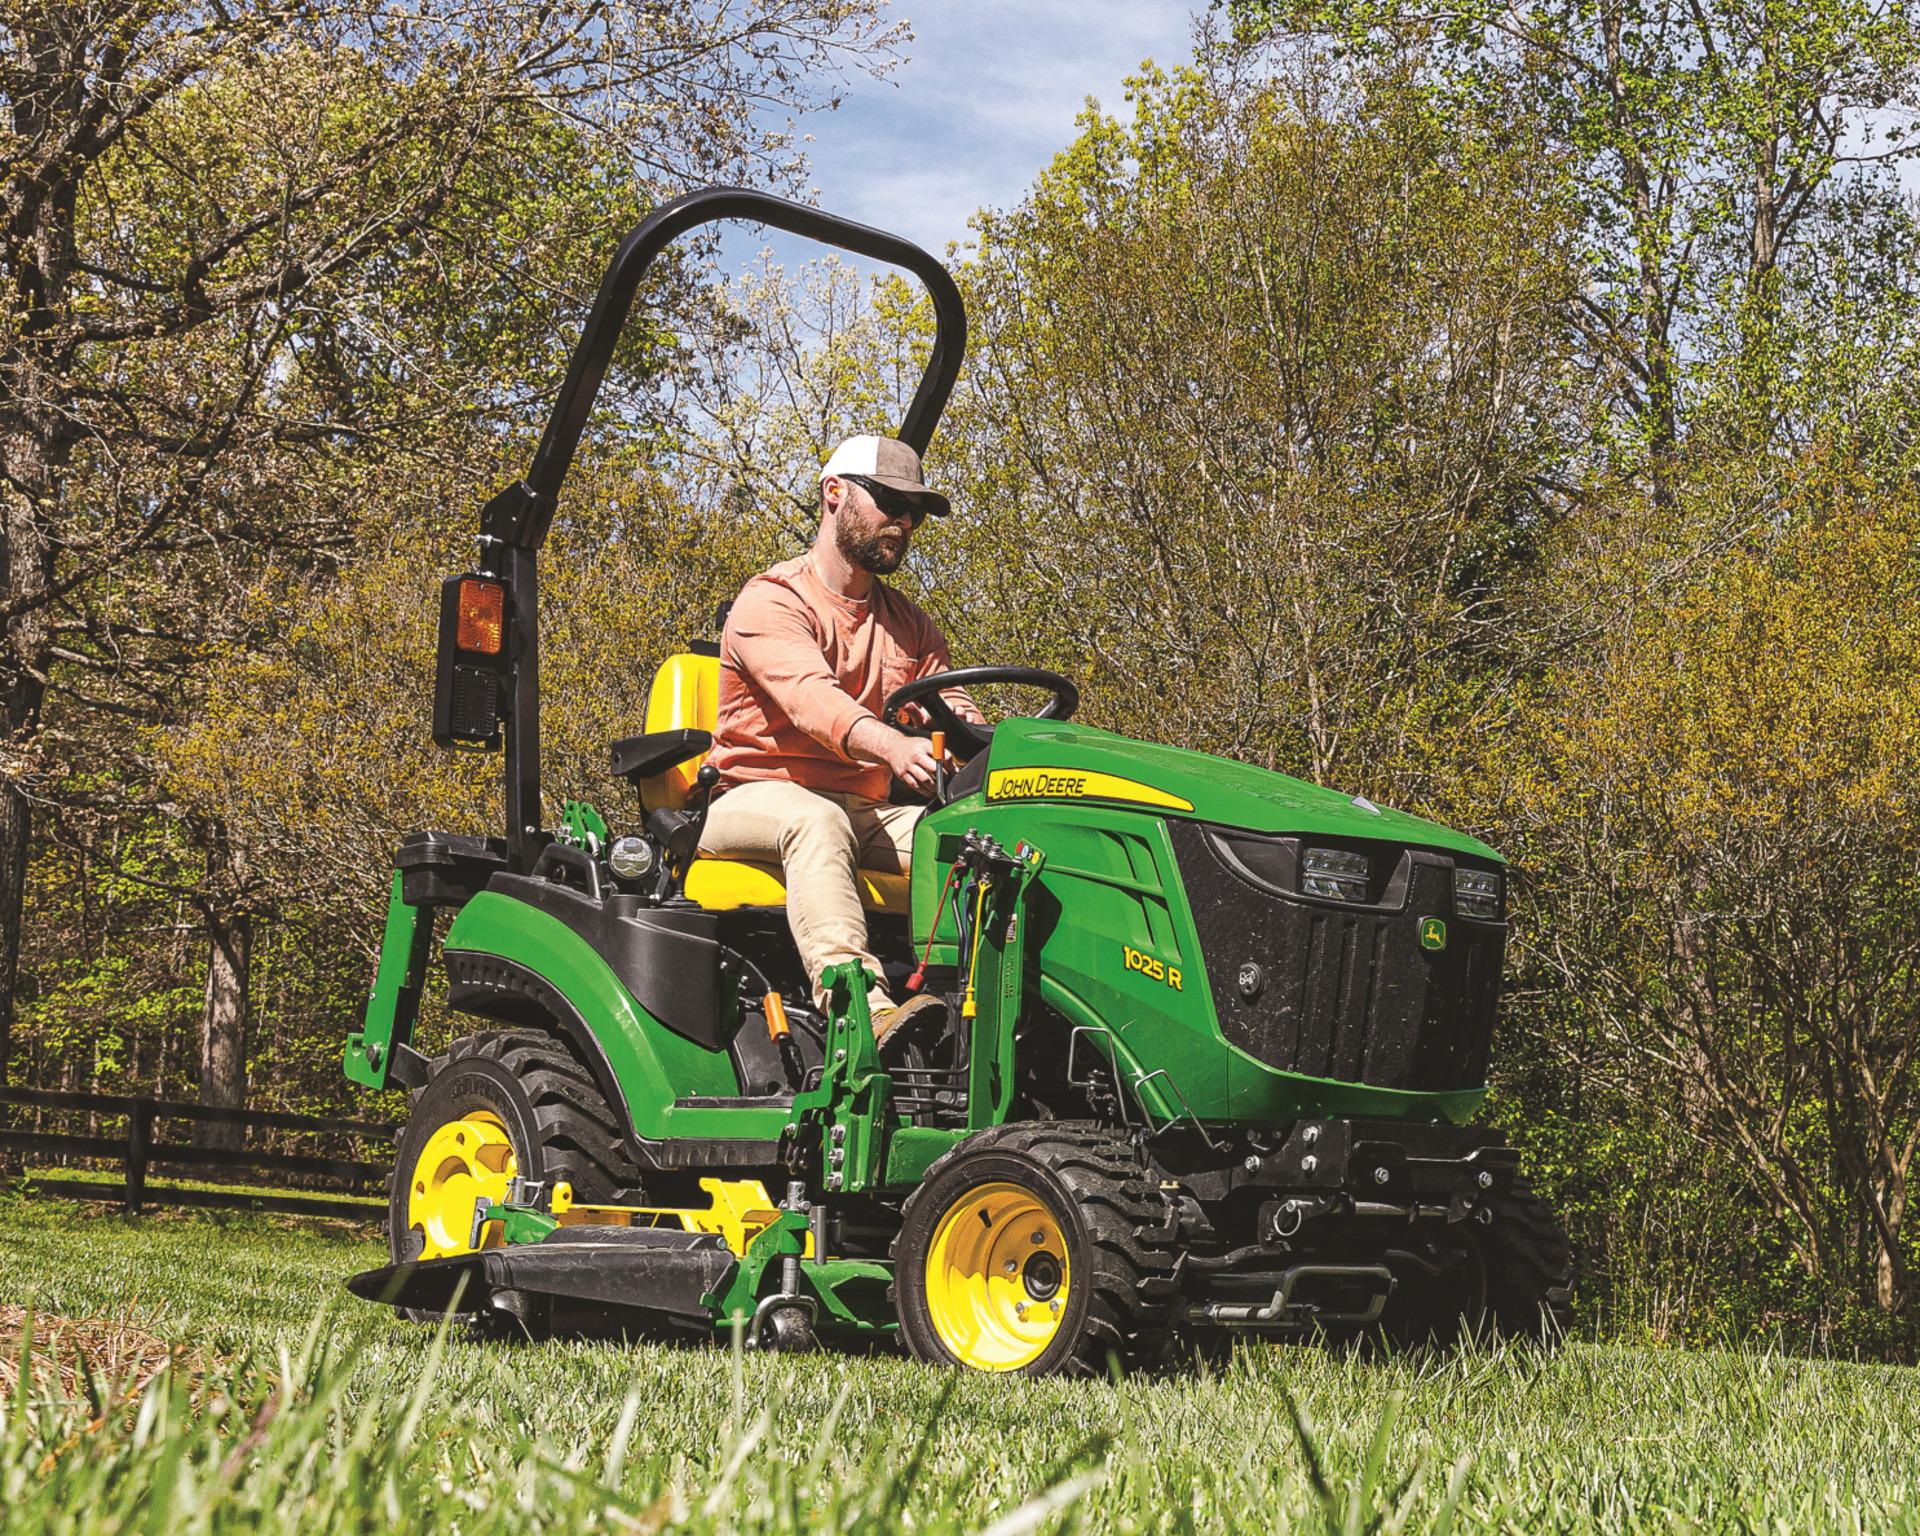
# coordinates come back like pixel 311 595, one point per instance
pixel 1212 1038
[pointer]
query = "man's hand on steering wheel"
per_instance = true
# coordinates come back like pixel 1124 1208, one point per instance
pixel 966 738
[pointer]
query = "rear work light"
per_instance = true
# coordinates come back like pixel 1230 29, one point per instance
pixel 482 625
pixel 1476 893
pixel 1338 873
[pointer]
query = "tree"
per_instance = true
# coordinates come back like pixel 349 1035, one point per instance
pixel 1264 395
pixel 1722 821
pixel 321 747
pixel 200 201
pixel 1706 140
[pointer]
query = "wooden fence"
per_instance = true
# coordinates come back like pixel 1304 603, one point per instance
pixel 137 1151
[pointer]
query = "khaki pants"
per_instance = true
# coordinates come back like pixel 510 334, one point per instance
pixel 818 839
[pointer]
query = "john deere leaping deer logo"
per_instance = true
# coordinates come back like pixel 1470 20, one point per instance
pixel 1433 933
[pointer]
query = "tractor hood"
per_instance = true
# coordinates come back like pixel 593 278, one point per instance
pixel 1056 760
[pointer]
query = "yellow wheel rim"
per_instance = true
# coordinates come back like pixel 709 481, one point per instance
pixel 998 1282
pixel 463 1161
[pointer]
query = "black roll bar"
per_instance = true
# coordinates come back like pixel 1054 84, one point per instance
pixel 521 514
pixel 514 524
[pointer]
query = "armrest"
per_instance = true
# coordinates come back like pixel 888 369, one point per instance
pixel 642 757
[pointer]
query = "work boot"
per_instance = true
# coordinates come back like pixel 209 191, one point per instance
pixel 893 1024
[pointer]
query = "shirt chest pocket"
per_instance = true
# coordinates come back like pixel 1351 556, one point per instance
pixel 896 671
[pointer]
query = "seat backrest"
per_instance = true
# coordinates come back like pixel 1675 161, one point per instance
pixel 685 696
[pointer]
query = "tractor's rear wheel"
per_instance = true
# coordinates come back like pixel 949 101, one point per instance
pixel 498 1104
pixel 1039 1248
pixel 1513 1279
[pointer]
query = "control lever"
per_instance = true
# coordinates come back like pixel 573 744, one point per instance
pixel 703 783
pixel 939 745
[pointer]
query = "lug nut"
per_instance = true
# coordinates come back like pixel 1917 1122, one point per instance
pixel 1380 1175
pixel 1483 1216
pixel 1485 1180
pixel 1310 1135
pixel 1309 1163
pixel 1252 1165
pixel 1039 1238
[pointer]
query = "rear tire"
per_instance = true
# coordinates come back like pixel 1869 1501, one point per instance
pixel 1039 1248
pixel 498 1104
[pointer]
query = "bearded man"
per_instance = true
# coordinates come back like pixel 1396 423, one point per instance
pixel 810 651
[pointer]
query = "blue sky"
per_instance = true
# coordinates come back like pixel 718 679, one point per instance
pixel 987 94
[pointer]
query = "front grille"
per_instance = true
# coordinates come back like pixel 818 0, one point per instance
pixel 1336 991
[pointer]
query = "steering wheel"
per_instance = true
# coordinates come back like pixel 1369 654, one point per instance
pixel 967 739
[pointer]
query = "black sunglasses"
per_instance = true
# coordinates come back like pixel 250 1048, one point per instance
pixel 889 501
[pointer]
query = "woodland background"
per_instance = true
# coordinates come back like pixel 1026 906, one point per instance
pixel 1507 414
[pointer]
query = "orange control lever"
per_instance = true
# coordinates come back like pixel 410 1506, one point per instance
pixel 777 1027
pixel 939 745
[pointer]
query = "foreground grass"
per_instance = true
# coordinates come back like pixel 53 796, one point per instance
pixel 292 1409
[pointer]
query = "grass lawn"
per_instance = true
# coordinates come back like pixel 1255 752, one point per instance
pixel 291 1407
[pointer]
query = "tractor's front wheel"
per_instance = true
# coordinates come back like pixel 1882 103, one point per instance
pixel 1039 1248
pixel 499 1104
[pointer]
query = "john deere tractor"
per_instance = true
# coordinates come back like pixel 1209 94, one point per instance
pixel 1213 1035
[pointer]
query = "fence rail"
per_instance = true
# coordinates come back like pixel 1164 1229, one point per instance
pixel 138 1152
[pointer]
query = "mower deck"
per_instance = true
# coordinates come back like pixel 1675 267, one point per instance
pixel 635 1275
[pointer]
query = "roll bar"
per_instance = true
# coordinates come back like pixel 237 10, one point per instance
pixel 514 524
pixel 520 515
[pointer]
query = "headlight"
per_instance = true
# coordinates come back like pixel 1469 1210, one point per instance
pixel 631 857
pixel 1335 872
pixel 1476 893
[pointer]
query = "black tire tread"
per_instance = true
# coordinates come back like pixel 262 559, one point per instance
pixel 581 1141
pixel 1134 1296
pixel 1529 1268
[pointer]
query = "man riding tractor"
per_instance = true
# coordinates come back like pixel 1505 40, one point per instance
pixel 810 651
pixel 1211 1038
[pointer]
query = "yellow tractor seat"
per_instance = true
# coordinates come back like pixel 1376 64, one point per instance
pixel 685 696
pixel 720 885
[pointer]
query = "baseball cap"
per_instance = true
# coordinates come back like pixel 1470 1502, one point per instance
pixel 888 462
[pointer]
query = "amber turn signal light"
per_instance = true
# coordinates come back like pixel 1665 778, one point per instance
pixel 483 617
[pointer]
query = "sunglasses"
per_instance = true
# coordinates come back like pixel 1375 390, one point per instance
pixel 890 502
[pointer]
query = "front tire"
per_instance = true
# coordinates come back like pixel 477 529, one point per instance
pixel 1512 1279
pixel 1037 1248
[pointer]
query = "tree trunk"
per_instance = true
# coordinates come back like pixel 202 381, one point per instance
pixel 15 826
pixel 223 1021
pixel 1887 1269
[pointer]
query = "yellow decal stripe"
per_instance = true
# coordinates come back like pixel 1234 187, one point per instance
pixel 1076 784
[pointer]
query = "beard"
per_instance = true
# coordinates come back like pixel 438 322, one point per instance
pixel 879 550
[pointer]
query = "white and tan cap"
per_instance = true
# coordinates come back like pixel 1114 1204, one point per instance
pixel 886 461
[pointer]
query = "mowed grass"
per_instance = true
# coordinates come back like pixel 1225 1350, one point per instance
pixel 294 1408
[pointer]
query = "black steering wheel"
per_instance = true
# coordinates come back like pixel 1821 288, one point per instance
pixel 966 739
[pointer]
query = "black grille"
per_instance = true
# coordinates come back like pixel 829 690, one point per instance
pixel 1337 991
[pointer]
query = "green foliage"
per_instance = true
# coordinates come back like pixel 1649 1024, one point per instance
pixel 1263 382
pixel 1708 145
pixel 1722 817
pixel 322 748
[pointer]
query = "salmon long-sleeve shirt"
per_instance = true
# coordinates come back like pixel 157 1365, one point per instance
pixel 800 666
